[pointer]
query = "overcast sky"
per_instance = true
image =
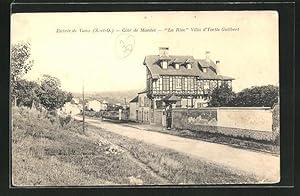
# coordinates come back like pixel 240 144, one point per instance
pixel 249 54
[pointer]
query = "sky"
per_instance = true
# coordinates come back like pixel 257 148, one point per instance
pixel 248 51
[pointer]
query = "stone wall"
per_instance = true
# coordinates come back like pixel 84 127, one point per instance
pixel 205 117
pixel 235 132
pixel 157 117
pixel 255 118
pixel 132 111
pixel 255 123
pixel 180 118
pixel 276 119
pixel 144 114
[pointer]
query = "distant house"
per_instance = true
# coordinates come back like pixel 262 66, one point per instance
pixel 133 106
pixel 143 107
pixel 93 105
pixel 71 109
pixel 104 105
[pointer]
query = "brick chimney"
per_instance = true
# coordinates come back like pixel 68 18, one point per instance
pixel 217 67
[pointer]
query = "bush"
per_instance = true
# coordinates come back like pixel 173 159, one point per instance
pixel 64 120
pixel 257 96
pixel 221 96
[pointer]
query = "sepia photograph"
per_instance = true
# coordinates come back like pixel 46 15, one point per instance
pixel 145 98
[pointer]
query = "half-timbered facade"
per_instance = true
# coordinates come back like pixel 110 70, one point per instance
pixel 181 80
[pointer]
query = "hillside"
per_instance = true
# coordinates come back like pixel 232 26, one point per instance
pixel 110 96
pixel 46 153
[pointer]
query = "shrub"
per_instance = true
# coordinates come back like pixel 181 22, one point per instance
pixel 64 120
pixel 257 96
pixel 221 96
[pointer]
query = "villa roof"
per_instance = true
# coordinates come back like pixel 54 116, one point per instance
pixel 143 91
pixel 152 62
pixel 206 63
pixel 135 99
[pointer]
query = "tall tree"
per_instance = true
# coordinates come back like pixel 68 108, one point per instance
pixel 221 96
pixel 20 65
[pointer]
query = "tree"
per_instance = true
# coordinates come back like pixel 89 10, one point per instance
pixel 51 96
pixel 20 64
pixel 26 92
pixel 257 96
pixel 221 96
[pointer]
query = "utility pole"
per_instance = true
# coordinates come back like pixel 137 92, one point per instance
pixel 125 102
pixel 83 108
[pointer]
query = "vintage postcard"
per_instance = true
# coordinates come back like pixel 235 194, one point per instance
pixel 145 98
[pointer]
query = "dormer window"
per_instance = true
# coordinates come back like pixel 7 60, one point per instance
pixel 176 66
pixel 164 64
pixel 204 70
pixel 189 66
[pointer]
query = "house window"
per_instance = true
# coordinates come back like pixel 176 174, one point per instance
pixel 166 84
pixel 190 84
pixel 178 83
pixel 214 83
pixel 176 66
pixel 199 105
pixel 189 102
pixel 154 85
pixel 160 83
pixel 204 70
pixel 200 85
pixel 206 85
pixel 189 66
pixel 184 83
pixel 164 64
pixel 219 83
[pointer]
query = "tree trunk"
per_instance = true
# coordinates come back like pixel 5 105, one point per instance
pixel 15 101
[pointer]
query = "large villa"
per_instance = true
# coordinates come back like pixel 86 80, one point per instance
pixel 175 80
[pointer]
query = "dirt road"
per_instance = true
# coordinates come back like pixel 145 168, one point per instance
pixel 262 165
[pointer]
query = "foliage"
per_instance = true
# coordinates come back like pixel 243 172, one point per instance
pixel 26 92
pixel 257 96
pixel 51 96
pixel 48 93
pixel 64 120
pixel 20 63
pixel 221 96
pixel 112 107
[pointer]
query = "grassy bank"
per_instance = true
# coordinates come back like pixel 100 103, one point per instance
pixel 45 153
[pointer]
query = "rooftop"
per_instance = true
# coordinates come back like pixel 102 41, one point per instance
pixel 135 99
pixel 152 62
